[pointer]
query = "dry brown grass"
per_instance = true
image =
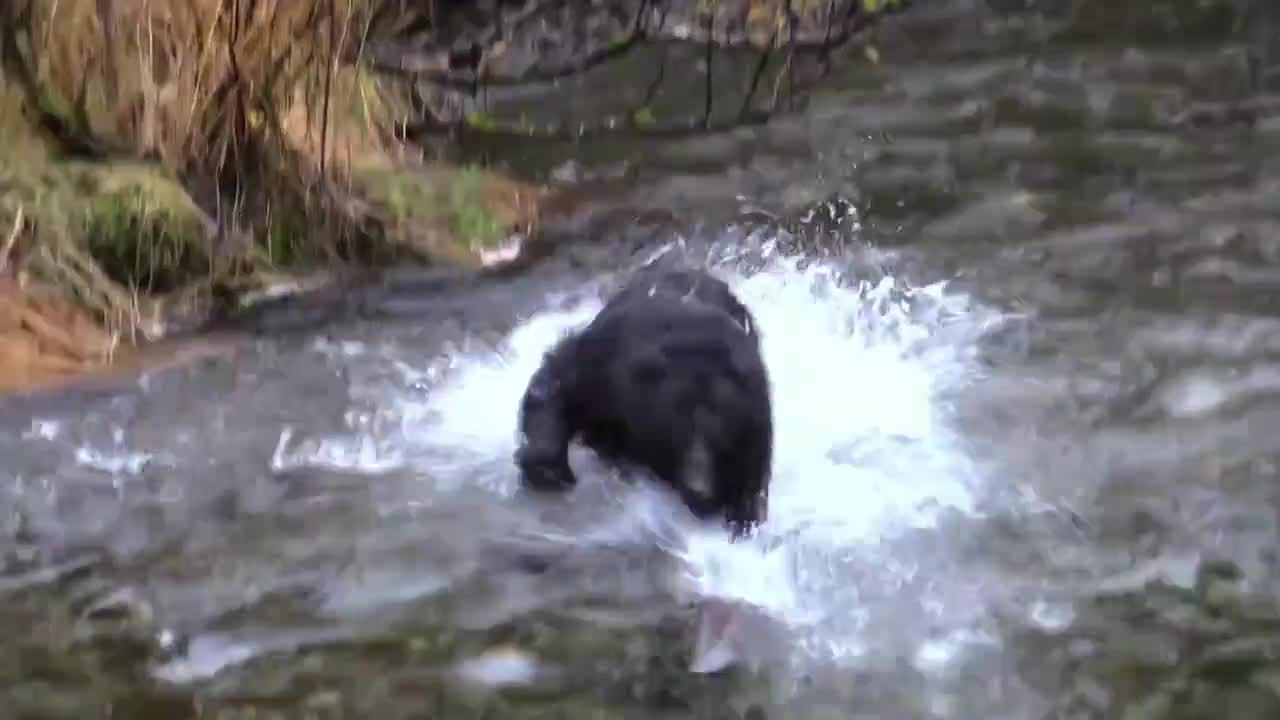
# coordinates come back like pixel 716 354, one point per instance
pixel 197 83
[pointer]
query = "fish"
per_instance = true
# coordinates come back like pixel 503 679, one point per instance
pixel 717 644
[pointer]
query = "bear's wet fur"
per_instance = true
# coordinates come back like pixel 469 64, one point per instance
pixel 668 376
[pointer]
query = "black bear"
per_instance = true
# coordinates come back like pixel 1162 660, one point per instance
pixel 668 376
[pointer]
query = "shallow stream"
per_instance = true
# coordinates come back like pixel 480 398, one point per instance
pixel 1018 288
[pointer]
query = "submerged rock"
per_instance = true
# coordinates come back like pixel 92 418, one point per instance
pixel 502 667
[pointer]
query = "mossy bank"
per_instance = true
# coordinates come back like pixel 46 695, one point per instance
pixel 148 178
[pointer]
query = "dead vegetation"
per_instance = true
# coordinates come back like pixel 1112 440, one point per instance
pixel 160 158
pixel 154 153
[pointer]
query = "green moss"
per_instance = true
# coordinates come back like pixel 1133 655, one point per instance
pixel 279 244
pixel 455 206
pixel 140 226
pixel 140 244
pixel 285 242
pixel 470 218
pixel 482 121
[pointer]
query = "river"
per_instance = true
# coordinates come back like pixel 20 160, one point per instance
pixel 1017 285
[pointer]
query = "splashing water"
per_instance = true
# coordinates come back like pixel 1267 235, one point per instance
pixel 852 565
pixel 863 452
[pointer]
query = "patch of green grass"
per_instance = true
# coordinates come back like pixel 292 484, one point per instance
pixel 285 242
pixel 143 244
pixel 459 204
pixel 139 225
pixel 471 220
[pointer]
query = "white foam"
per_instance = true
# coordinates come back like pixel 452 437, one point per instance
pixel 471 415
pixel 864 450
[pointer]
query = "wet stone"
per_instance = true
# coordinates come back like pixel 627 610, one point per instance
pixel 1269 678
pixel 1157 706
pixel 1256 650
pixel 1238 702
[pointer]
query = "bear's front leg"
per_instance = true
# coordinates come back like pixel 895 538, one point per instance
pixel 545 432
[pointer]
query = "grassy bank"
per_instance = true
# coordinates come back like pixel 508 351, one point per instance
pixel 158 155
